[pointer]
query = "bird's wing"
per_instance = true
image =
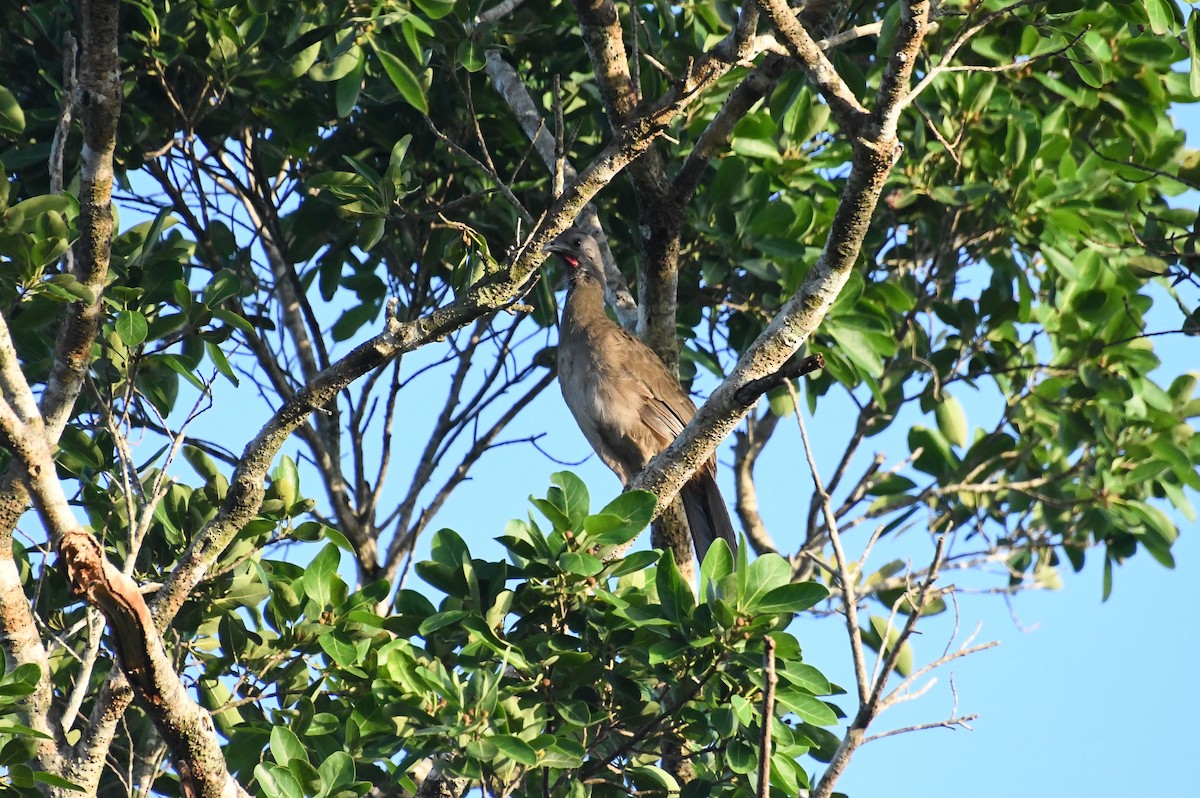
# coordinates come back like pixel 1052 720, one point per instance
pixel 663 405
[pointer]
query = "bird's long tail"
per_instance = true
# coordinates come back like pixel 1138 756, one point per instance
pixel 708 518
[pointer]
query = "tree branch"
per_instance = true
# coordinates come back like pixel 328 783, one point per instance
pixel 186 727
pixel 875 152
pixel 508 85
pixel 493 292
pixel 850 114
pixel 746 449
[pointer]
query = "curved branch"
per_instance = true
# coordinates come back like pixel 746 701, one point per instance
pixel 99 87
pixel 747 447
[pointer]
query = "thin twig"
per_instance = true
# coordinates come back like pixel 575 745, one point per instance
pixel 768 715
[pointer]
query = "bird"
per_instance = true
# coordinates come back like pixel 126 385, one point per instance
pixel 625 401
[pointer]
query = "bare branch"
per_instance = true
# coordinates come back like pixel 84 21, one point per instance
pixel 493 14
pixel 747 446
pixel 768 715
pixel 952 722
pixel 845 107
pixel 963 36
pixel 845 580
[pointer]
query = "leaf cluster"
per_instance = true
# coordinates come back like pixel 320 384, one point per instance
pixel 557 671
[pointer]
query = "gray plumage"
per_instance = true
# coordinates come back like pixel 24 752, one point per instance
pixel 628 406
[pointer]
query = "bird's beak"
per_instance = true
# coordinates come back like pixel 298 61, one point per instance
pixel 562 251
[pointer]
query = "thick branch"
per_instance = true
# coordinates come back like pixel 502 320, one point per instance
pixel 875 152
pixel 186 727
pixel 658 214
pixel 99 99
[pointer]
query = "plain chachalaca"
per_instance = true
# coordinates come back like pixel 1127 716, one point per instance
pixel 627 404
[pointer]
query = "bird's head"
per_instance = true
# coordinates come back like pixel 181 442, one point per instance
pixel 579 251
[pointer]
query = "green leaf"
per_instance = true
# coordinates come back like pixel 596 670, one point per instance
pixel 286 746
pixel 570 496
pixel 765 574
pixel 741 757
pixel 404 80
pixel 42 777
pixel 285 481
pixel 632 563
pixel 339 648
pixel 652 778
pixel 674 593
pixel 203 465
pixel 1146 266
pixel 319 576
pixel 12 118
pixel 277 782
pixel 873 637
pixel 162 222
pixel 70 283
pixel 131 327
pixel 371 233
pixel 176 365
pixel 806 677
pixel 759 149
pixel 471 55
pixel 338 68
pixel 621 519
pixel 887 33
pixel 515 749
pixel 563 754
pixel 448 548
pixel 224 285
pixel 220 361
pixel 441 620
pixel 348 88
pixel 1086 65
pixel 233 319
pixel 952 420
pixel 936 456
pixel 792 598
pixel 717 565
pixel 1161 15
pixel 580 563
pixel 1193 40
pixel 482 749
pixel 858 345
pixel 435 9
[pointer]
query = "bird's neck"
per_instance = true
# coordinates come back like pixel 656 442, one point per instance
pixel 585 300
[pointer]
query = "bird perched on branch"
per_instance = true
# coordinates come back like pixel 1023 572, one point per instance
pixel 627 404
